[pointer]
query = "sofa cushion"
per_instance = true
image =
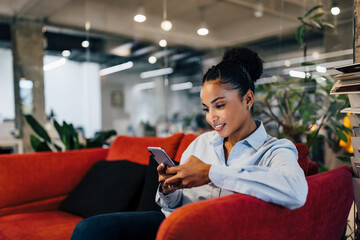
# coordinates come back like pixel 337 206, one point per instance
pixel 303 160
pixel 109 186
pixel 147 200
pixel 55 225
pixel 32 177
pixel 135 148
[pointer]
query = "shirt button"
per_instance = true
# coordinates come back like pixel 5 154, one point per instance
pixel 253 193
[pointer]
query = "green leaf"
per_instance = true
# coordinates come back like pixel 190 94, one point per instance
pixel 99 140
pixel 315 23
pixel 307 64
pixel 299 35
pixel 312 10
pixel 341 135
pixel 58 129
pixel 344 158
pixel 38 129
pixel 318 15
pixel 38 145
pixel 326 24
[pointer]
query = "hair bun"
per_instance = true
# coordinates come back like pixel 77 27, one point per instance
pixel 247 58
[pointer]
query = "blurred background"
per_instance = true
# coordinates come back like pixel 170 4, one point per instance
pixel 136 66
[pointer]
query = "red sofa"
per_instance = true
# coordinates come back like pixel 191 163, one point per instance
pixel 33 186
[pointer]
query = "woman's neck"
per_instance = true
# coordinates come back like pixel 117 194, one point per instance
pixel 240 135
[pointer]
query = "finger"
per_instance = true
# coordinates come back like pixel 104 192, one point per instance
pixel 175 180
pixel 172 170
pixel 161 169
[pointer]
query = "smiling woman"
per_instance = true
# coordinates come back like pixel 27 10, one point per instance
pixel 238 157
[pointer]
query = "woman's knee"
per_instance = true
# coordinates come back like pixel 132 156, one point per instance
pixel 83 230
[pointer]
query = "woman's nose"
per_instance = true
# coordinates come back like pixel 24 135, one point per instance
pixel 212 116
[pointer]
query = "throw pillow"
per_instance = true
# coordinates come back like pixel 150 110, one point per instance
pixel 109 186
pixel 147 200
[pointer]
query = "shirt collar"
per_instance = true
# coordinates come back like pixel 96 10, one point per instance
pixel 255 140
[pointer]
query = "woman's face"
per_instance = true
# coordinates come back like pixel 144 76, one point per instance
pixel 225 111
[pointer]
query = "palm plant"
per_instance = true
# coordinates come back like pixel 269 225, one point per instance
pixel 67 135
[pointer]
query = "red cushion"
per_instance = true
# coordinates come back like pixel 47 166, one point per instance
pixel 185 142
pixel 303 160
pixel 37 176
pixel 135 148
pixel 55 225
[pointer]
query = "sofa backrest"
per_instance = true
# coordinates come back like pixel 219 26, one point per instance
pixel 135 148
pixel 25 178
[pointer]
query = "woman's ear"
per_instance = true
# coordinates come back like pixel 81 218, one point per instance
pixel 249 97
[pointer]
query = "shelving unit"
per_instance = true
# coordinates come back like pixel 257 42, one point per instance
pixel 348 82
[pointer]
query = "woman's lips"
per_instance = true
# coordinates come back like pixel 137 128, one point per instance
pixel 219 127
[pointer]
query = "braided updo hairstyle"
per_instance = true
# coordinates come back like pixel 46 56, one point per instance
pixel 239 70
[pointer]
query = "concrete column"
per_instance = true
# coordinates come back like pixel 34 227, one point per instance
pixel 356 31
pixel 27 46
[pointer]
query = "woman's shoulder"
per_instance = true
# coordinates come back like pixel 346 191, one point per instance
pixel 273 144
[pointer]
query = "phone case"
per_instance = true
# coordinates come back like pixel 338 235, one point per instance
pixel 161 156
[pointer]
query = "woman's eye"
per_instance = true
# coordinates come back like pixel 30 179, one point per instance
pixel 220 106
pixel 205 109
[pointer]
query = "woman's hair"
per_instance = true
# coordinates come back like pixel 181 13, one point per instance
pixel 239 69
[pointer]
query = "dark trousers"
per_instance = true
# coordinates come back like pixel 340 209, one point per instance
pixel 114 226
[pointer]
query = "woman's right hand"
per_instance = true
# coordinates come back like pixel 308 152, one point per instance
pixel 166 189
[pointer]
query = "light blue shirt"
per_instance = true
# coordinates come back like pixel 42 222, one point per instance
pixel 260 165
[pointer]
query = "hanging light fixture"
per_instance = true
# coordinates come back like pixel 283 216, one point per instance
pixel 335 10
pixel 140 14
pixel 202 30
pixel 259 9
pixel 166 25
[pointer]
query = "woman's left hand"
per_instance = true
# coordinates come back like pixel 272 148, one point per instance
pixel 192 173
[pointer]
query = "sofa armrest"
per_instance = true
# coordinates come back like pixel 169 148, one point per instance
pixel 240 216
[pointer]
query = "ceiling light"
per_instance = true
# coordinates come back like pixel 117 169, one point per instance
pixel 321 69
pixel 166 25
pixel 296 74
pixel 140 16
pixel 259 9
pixel 203 31
pixel 152 59
pixel 144 86
pixel 181 86
pixel 117 68
pixel 54 64
pixel 162 43
pixel 156 73
pixel 335 11
pixel 66 53
pixel 85 44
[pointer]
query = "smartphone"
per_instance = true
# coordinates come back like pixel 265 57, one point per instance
pixel 161 156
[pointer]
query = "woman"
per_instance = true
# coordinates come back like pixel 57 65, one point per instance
pixel 238 157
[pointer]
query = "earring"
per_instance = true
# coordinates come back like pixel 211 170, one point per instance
pixel 249 107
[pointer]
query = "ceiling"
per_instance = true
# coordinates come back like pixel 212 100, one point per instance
pixel 230 22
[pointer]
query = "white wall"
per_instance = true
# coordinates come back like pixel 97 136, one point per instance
pixel 72 91
pixel 7 106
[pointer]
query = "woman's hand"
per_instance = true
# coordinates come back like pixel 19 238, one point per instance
pixel 166 188
pixel 192 173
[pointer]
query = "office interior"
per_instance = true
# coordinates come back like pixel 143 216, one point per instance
pixel 104 69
